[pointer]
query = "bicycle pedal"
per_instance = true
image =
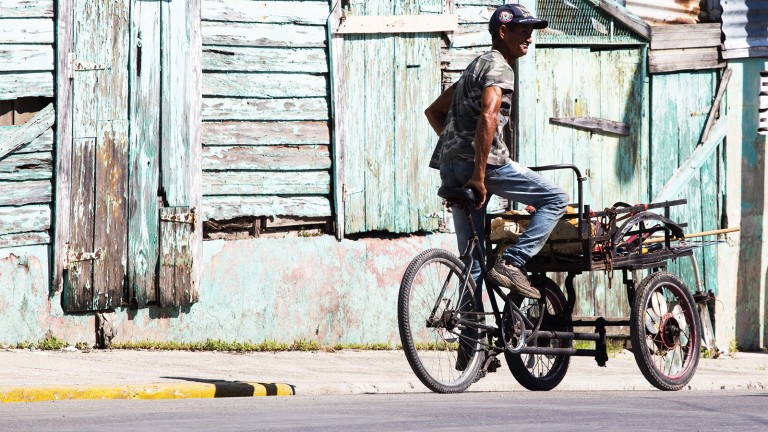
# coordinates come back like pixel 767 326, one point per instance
pixel 494 365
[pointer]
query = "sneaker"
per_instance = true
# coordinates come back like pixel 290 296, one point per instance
pixel 514 278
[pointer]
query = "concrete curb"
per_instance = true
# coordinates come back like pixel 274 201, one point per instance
pixel 201 390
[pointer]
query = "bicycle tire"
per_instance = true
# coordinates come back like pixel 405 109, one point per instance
pixel 665 331
pixel 538 372
pixel 433 351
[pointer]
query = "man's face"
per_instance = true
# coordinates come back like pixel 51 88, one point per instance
pixel 517 38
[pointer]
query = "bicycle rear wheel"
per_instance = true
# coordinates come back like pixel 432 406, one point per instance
pixel 543 372
pixel 444 353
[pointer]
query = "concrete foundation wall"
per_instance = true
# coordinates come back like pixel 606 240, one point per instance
pixel 315 288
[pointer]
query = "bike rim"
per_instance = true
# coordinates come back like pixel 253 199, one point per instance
pixel 441 347
pixel 669 331
pixel 543 365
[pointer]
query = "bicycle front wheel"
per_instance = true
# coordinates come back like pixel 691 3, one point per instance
pixel 433 309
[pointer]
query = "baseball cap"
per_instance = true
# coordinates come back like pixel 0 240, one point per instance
pixel 513 14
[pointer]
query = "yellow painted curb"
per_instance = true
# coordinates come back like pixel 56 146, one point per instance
pixel 148 391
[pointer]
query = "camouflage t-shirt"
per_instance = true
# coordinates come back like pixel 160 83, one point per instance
pixel 457 141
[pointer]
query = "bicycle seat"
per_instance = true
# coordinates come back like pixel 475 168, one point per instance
pixel 457 195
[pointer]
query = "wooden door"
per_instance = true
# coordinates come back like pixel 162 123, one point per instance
pixel 129 165
pixel 389 80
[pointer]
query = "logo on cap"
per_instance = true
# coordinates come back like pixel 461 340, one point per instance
pixel 506 16
pixel 525 12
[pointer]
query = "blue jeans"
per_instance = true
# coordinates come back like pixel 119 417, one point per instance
pixel 516 183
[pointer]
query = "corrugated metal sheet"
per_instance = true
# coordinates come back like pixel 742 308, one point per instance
pixel 666 11
pixel 745 25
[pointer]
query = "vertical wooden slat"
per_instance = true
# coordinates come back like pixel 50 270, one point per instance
pixel 78 296
pixel 417 78
pixel 354 134
pixel 379 88
pixel 338 109
pixel 63 145
pixel 111 227
pixel 181 102
pixel 174 283
pixel 144 51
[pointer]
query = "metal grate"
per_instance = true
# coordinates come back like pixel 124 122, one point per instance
pixel 580 22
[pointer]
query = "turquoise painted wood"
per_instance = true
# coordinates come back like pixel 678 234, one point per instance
pixel 390 80
pixel 135 148
pixel 679 106
pixel 144 166
pixel 265 133
pixel 610 85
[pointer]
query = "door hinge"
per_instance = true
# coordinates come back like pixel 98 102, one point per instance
pixel 74 256
pixel 344 192
pixel 189 218
pixel 76 65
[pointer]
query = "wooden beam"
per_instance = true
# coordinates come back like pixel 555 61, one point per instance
pixel 356 24
pixel 26 8
pixel 24 239
pixel 683 59
pixel 266 158
pixel 744 53
pixel 263 35
pixel 621 14
pixel 716 103
pixel 338 101
pixel 593 124
pixel 30 192
pixel 64 40
pixel 20 57
pixel 307 12
pixel 685 36
pixel 223 208
pixel 27 31
pixel 24 84
pixel 696 234
pixel 25 219
pixel 688 169
pixel 29 132
pixel 242 109
pixel 265 133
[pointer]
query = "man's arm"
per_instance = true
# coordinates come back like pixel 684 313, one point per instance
pixel 486 129
pixel 438 111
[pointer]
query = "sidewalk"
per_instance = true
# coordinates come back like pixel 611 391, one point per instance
pixel 56 375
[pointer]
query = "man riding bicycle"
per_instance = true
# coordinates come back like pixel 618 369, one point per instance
pixel 470 117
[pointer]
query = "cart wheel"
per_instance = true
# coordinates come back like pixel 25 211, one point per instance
pixel 538 371
pixel 665 331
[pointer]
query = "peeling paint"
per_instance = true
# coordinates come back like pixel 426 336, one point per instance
pixel 316 289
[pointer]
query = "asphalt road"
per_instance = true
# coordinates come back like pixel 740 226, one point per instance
pixel 553 411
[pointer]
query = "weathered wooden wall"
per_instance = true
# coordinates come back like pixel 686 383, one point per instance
pixel 680 103
pixel 743 307
pixel 26 86
pixel 389 79
pixel 610 84
pixel 265 136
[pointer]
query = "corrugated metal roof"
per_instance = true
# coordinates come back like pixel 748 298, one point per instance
pixel 745 25
pixel 666 11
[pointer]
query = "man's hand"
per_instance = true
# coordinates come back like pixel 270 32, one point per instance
pixel 478 186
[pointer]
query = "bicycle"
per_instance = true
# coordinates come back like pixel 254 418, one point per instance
pixel 442 316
